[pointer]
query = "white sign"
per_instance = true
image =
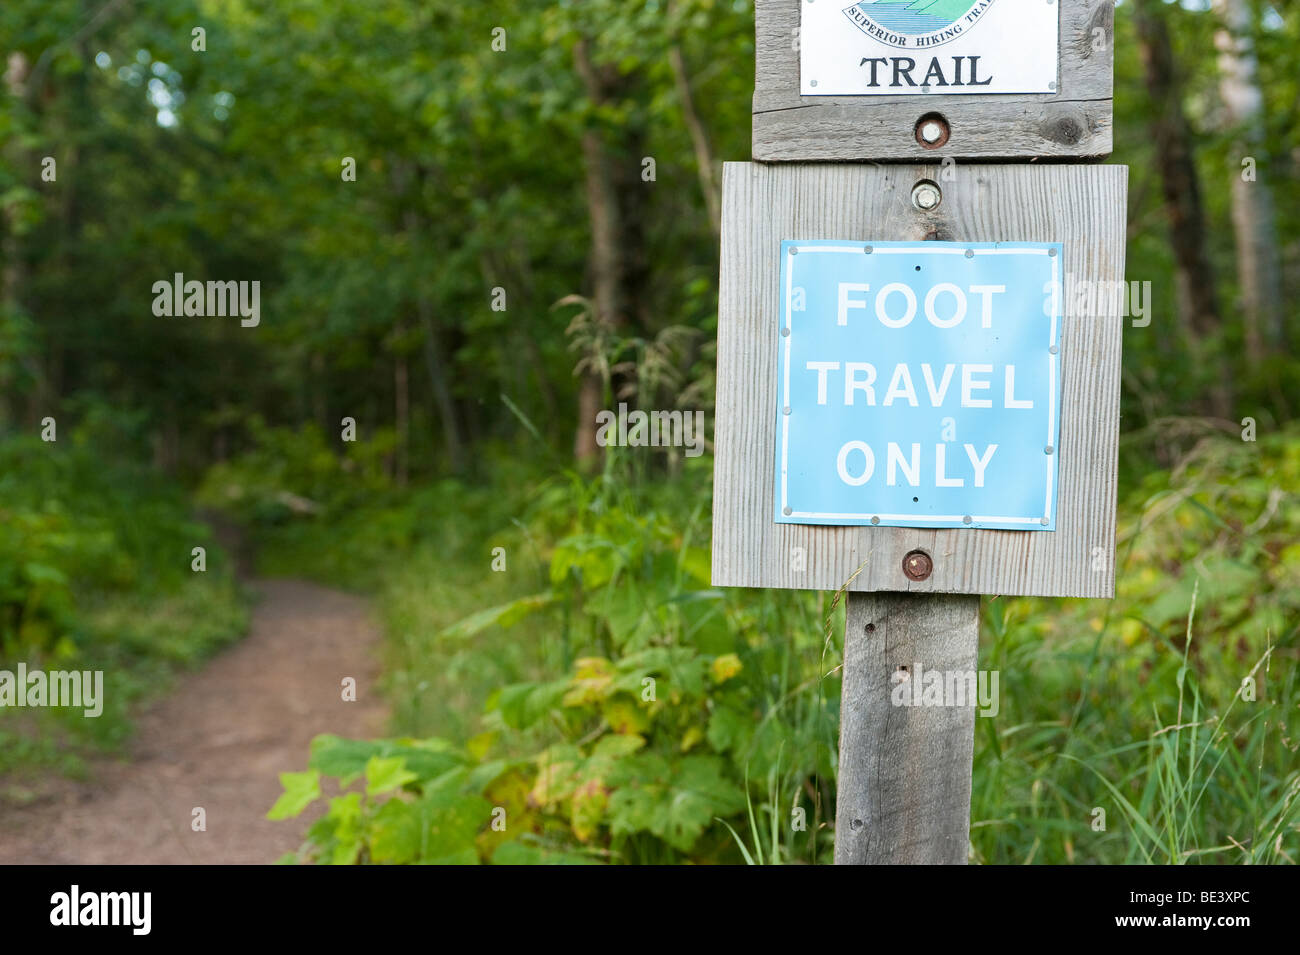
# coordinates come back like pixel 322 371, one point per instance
pixel 893 47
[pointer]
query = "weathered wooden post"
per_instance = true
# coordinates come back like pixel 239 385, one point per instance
pixel 918 360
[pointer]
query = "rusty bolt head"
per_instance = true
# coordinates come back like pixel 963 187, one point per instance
pixel 917 565
pixel 926 195
pixel 931 131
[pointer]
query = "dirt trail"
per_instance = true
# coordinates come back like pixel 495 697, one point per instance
pixel 219 741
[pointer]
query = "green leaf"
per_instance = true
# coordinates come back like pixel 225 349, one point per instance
pixel 384 774
pixel 614 745
pixel 516 853
pixel 728 729
pixel 699 792
pixel 632 810
pixel 38 573
pixel 676 804
pixel 437 829
pixel 505 615
pixel 524 704
pixel 344 759
pixel 347 759
pixel 300 791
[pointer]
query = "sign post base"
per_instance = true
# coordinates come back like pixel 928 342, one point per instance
pixel 905 756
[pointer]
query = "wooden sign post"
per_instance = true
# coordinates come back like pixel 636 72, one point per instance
pixel 918 362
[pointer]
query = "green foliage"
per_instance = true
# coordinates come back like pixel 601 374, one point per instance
pixel 472 168
pixel 1136 706
pixel 653 698
pixel 95 575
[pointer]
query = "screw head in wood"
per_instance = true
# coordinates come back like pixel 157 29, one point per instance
pixel 926 195
pixel 917 565
pixel 931 131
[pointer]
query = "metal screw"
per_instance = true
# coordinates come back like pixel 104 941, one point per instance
pixel 970 253
pixel 785 410
pixel 917 565
pixel 966 519
pixel 1054 349
pixel 1051 252
pixel 868 250
pixel 794 250
pixel 785 333
pixel 1048 450
pixel 1044 521
pixel 931 130
pixel 926 195
pixel 875 520
pixel 786 511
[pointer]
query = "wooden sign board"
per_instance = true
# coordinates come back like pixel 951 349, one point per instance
pixel 1075 215
pixel 886 71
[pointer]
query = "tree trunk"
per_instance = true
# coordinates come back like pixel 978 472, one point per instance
pixel 402 411
pixel 11 253
pixel 608 263
pixel 319 386
pixel 437 368
pixel 619 265
pixel 700 141
pixel 1258 270
pixel 434 360
pixel 1172 138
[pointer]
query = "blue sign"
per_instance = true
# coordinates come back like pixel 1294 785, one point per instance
pixel 919 384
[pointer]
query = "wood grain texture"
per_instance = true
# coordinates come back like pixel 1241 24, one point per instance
pixel 1081 206
pixel 905 771
pixel 1073 123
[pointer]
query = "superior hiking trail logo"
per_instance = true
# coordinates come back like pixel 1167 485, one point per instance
pixel 906 47
pixel 916 24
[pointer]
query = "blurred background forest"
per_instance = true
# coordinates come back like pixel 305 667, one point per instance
pixel 500 267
